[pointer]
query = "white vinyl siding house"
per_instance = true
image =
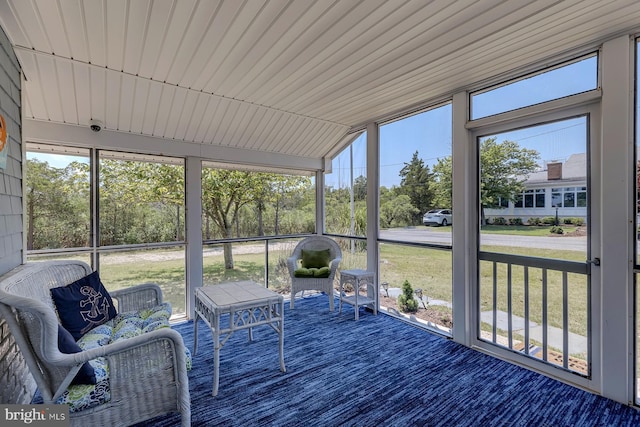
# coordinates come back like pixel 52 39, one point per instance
pixel 558 188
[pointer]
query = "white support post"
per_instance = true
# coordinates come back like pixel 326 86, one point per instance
pixel 373 195
pixel 193 224
pixel 465 220
pixel 616 210
pixel 320 202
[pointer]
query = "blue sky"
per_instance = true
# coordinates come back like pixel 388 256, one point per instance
pixel 429 132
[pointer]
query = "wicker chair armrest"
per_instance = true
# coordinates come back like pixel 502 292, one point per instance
pixel 335 263
pixel 292 264
pixel 116 349
pixel 137 297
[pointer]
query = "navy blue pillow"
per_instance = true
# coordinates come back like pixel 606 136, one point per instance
pixel 83 305
pixel 67 345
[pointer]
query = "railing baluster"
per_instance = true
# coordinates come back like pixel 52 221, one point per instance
pixel 526 310
pixel 565 320
pixel 266 263
pixel 510 305
pixel 495 301
pixel 544 315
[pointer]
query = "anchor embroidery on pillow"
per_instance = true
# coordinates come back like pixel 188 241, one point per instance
pixel 98 307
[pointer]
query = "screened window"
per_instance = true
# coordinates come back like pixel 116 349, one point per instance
pixel 570 79
pixel 141 199
pixel 345 191
pixel 248 203
pixel 416 174
pixel 57 197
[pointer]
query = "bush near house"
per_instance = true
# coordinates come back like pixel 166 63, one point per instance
pixel 499 221
pixel 534 221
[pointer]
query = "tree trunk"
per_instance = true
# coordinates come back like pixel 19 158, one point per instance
pixel 260 221
pixel 228 248
pixel 178 230
pixel 277 219
pixel 228 256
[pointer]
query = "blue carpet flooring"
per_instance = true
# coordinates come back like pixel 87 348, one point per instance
pixel 378 371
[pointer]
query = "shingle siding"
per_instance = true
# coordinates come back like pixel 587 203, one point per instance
pixel 16 384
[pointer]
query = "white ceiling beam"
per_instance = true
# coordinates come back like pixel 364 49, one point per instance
pixel 57 133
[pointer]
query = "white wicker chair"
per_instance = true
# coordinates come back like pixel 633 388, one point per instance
pixel 325 285
pixel 147 373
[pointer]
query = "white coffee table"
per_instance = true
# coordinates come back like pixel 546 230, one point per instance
pixel 248 305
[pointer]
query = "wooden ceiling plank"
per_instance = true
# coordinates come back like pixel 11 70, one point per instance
pixel 127 97
pixel 152 108
pixel 171 36
pixel 268 45
pixel 66 90
pixel 54 28
pixel 71 15
pixel 81 89
pixel 198 117
pixel 282 53
pixel 193 40
pixel 200 63
pixel 139 105
pixel 226 45
pixel 95 28
pixel 175 112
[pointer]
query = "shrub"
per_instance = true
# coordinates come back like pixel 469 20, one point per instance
pixel 549 220
pixel 515 221
pixel 577 221
pixel 567 221
pixel 556 230
pixel 534 221
pixel 499 221
pixel 406 301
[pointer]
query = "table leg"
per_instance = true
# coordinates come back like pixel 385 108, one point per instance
pixel 195 333
pixel 356 283
pixel 282 367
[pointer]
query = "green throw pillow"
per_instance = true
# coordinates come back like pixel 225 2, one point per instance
pixel 316 259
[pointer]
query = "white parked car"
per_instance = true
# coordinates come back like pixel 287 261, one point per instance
pixel 438 217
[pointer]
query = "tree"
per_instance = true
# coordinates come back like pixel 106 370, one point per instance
pixel 504 167
pixel 416 183
pixel 57 205
pixel 397 212
pixel 360 188
pixel 224 192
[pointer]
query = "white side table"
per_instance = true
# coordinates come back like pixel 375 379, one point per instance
pixel 359 279
pixel 248 305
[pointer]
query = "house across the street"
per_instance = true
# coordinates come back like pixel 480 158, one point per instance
pixel 559 188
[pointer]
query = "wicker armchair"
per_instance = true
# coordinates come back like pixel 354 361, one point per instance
pixel 325 285
pixel 147 374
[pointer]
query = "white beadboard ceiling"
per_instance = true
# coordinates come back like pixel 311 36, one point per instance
pixel 285 77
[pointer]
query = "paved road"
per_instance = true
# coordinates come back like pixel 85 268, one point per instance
pixel 439 235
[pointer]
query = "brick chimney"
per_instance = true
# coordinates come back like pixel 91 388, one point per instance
pixel 554 171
